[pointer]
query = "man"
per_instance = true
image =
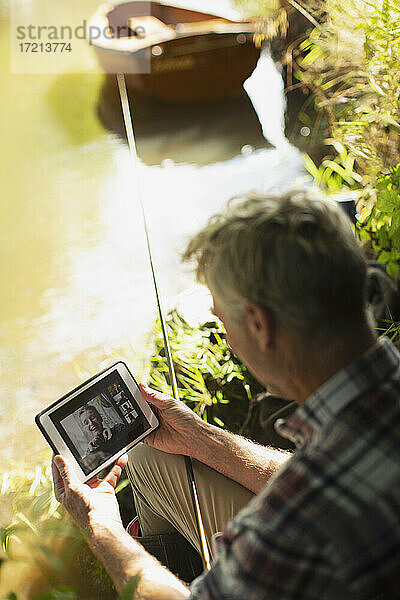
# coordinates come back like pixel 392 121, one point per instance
pixel 102 437
pixel 288 281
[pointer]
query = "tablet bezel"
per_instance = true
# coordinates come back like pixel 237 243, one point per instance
pixel 58 444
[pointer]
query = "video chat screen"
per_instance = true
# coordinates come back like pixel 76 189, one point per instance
pixel 100 421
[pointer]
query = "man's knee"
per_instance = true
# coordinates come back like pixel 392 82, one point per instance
pixel 141 457
pixel 147 465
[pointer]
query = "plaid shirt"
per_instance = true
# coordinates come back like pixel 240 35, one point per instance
pixel 327 524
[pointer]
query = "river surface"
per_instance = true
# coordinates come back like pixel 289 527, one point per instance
pixel 76 290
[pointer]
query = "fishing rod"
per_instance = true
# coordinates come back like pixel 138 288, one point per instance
pixel 127 113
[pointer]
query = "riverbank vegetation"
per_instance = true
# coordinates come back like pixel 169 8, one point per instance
pixel 210 379
pixel 43 556
pixel 350 65
pixel 345 58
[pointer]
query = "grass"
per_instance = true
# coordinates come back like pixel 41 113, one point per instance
pixel 210 378
pixel 43 555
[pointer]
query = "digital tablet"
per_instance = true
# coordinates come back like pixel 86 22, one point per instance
pixel 98 421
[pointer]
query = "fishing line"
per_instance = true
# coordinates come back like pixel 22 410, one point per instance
pixel 188 461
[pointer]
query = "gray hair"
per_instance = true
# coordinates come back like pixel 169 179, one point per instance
pixel 293 253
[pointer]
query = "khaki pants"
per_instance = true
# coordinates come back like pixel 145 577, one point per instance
pixel 163 500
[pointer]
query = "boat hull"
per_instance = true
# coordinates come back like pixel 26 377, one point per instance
pixel 207 69
pixel 177 67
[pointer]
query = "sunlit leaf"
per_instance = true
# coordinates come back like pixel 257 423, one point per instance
pixel 129 592
pixel 388 201
pixel 122 485
pixel 60 593
pixel 393 269
pixel 311 167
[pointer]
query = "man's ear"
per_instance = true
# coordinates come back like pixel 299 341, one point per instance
pixel 261 324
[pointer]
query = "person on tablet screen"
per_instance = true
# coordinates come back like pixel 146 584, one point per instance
pixel 92 421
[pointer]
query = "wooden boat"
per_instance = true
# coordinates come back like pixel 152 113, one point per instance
pixel 173 54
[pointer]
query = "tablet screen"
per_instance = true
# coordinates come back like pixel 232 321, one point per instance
pixel 100 421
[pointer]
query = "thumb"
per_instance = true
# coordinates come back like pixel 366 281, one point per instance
pixel 115 473
pixel 63 470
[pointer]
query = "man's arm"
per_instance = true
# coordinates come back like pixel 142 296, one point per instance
pixel 95 510
pixel 181 431
pixel 234 456
pixel 123 558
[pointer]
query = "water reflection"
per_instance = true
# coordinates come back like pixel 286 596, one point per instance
pixel 70 99
pixel 108 293
pixel 174 131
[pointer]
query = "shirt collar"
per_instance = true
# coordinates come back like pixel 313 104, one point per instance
pixel 370 369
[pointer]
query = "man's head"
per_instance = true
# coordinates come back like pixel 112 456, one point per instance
pixel 91 419
pixel 292 259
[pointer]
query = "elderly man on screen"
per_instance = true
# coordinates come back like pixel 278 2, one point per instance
pixel 288 281
pixel 101 435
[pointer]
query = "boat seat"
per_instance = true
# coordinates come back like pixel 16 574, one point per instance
pixel 152 26
pixel 208 26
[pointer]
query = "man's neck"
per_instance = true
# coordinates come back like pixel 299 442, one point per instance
pixel 313 369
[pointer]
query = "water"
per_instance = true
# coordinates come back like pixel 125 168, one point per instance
pixel 76 291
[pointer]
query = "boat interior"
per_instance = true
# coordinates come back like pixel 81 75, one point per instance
pixel 123 18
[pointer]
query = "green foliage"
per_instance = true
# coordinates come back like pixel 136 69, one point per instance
pixel 61 593
pixel 129 592
pixel 334 173
pixel 210 378
pixel 382 225
pixel 350 63
pixel 39 538
pixel 33 505
pixel 392 331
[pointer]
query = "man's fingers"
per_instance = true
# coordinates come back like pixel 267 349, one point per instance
pixel 94 482
pixel 58 483
pixel 159 399
pixel 62 476
pixel 64 471
pixel 115 473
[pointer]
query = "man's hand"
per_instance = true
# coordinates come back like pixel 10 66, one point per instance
pixel 178 424
pixel 94 508
pixel 91 502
